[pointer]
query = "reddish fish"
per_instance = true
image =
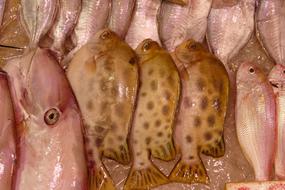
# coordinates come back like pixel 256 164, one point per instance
pixel 48 124
pixel 256 119
pixel 7 139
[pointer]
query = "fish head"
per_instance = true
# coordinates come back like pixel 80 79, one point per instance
pixel 147 49
pixel 276 77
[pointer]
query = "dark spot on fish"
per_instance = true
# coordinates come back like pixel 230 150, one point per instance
pixel 98 142
pixel 165 110
pixel 135 142
pixel 188 138
pixel 140 114
pixel 147 140
pixel 187 102
pixel 146 125
pixel 191 157
pixel 120 138
pixel 138 153
pixel 161 73
pixel 208 136
pixel 211 120
pixel 150 71
pixel 159 134
pixel 133 60
pixel 197 121
pixel 166 127
pixel 153 85
pixel 99 129
pixel 204 103
pixel 119 110
pixel 143 94
pixel 157 123
pixel 167 95
pixel 201 84
pixel 150 105
pixel 89 105
pixel 141 163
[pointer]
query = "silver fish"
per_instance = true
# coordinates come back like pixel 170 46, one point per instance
pixel 270 23
pixel 2 8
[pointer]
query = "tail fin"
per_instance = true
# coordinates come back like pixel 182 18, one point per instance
pixel 215 150
pixel 145 178
pixel 164 151
pixel 119 153
pixel 99 179
pixel 189 173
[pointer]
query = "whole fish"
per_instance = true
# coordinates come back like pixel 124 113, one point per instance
pixel 180 2
pixel 64 24
pixel 144 23
pixel 104 77
pixel 230 28
pixel 7 134
pixel 178 23
pixel 49 127
pixel 255 119
pixel 2 8
pixel 37 17
pixel 204 101
pixel 152 129
pixel 270 24
pixel 121 16
pixel 277 80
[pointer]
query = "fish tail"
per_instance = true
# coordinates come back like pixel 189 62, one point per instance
pixel 145 178
pixel 189 173
pixel 216 149
pixel 120 154
pixel 164 152
pixel 99 179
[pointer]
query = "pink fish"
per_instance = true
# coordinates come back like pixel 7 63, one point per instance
pixel 7 138
pixel 256 119
pixel 48 123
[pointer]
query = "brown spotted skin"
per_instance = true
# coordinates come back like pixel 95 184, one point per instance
pixel 204 100
pixel 104 77
pixel 157 102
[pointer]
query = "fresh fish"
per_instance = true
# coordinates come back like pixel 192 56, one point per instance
pixel 104 77
pixel 144 23
pixel 264 185
pixel 178 23
pixel 152 129
pixel 64 24
pixel 180 2
pixel 2 8
pixel 49 128
pixel 121 16
pixel 277 80
pixel 270 24
pixel 204 101
pixel 37 17
pixel 230 28
pixel 255 119
pixel 7 134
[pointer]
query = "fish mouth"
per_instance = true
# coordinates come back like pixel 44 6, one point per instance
pixel 274 84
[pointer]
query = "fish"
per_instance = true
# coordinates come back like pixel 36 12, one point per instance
pixel 104 78
pixel 270 26
pixel 65 22
pixel 157 102
pixel 256 119
pixel 144 22
pixel 179 2
pixel 2 8
pixel 37 17
pixel 179 23
pixel 50 146
pixel 277 80
pixel 121 16
pixel 265 185
pixel 202 111
pixel 230 28
pixel 7 132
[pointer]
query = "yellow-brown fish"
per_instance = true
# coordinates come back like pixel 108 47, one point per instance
pixel 152 129
pixel 104 77
pixel 199 129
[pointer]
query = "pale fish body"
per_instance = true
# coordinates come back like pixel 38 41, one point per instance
pixel 104 78
pixel 179 23
pixel 201 115
pixel 37 17
pixel 121 16
pixel 144 23
pixel 277 80
pixel 49 127
pixel 270 23
pixel 7 134
pixel 230 28
pixel 256 119
pixel 2 8
pixel 65 22
pixel 152 130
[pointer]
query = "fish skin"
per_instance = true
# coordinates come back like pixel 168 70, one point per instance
pixel 270 25
pixel 256 119
pixel 7 133
pixel 230 28
pixel 2 8
pixel 104 77
pixel 49 127
pixel 37 17
pixel 277 80
pixel 179 2
pixel 202 111
pixel 121 16
pixel 65 22
pixel 179 23
pixel 152 129
pixel 144 23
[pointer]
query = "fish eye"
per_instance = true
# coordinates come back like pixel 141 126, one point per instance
pixel 51 116
pixel 251 70
pixel 283 71
pixel 105 35
pixel 192 46
pixel 133 60
pixel 146 46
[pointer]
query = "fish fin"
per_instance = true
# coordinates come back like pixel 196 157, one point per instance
pixel 120 154
pixel 189 173
pixel 164 152
pixel 146 178
pixel 99 179
pixel 215 149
